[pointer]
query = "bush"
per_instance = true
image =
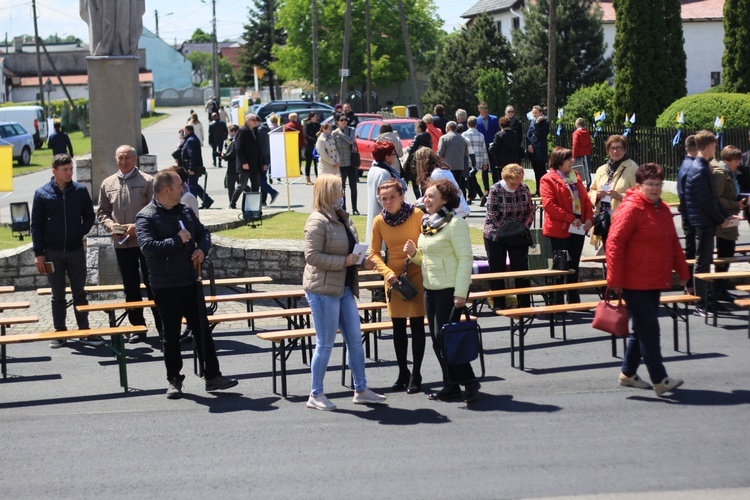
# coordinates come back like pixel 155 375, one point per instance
pixel 716 90
pixel 702 109
pixel 587 101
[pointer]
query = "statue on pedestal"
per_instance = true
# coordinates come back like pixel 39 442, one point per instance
pixel 115 26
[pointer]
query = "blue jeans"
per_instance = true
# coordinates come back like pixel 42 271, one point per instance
pixel 644 341
pixel 329 314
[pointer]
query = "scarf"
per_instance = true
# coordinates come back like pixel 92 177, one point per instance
pixel 432 224
pixel 612 167
pixel 734 178
pixel 390 170
pixel 571 181
pixel 399 217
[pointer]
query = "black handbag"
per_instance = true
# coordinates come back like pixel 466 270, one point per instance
pixel 515 234
pixel 403 286
pixel 461 340
pixel 560 260
pixel 602 221
pixel 356 161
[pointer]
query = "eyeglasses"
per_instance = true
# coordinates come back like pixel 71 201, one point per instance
pixel 510 112
pixel 653 185
pixel 342 119
pixel 482 107
pixel 616 148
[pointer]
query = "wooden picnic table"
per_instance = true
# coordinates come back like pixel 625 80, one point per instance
pixel 226 282
pixel 713 278
pixel 7 289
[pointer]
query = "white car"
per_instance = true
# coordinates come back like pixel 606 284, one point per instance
pixel 23 143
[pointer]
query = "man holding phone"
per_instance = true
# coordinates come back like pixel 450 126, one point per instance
pixel 62 214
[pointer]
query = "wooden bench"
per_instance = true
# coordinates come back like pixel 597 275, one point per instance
pixel 478 297
pixel 115 344
pixel 284 342
pixel 713 278
pixel 548 274
pixel 521 319
pixel 7 322
pixel 745 304
pixel 7 289
pixel 225 282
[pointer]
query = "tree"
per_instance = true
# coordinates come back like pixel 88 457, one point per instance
pixel 580 51
pixel 587 102
pixel 650 62
pixel 736 70
pixel 259 38
pixel 203 65
pixel 389 65
pixel 456 74
pixel 200 36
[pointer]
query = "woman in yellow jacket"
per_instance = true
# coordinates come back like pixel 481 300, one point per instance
pixel 444 252
pixel 612 180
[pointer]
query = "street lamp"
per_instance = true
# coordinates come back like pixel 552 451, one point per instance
pixel 20 220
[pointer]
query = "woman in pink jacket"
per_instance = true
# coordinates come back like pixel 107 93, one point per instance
pixel 642 251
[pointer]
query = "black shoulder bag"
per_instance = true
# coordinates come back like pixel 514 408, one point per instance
pixel 403 286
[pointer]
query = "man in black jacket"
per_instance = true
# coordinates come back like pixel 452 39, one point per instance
pixel 249 157
pixel 192 161
pixel 516 126
pixel 217 134
pixel 62 215
pixel 175 244
pixel 704 211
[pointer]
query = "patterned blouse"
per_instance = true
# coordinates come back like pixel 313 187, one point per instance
pixel 504 207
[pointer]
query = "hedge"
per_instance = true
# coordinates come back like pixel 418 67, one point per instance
pixel 701 110
pixel 588 101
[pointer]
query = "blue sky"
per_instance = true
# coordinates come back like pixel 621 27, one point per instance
pixel 177 19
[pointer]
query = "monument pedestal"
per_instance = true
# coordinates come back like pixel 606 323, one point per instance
pixel 114 112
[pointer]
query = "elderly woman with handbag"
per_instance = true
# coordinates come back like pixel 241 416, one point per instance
pixel 397 223
pixel 567 211
pixel 611 181
pixel 444 252
pixel 330 284
pixel 510 214
pixel 642 252
pixel 326 147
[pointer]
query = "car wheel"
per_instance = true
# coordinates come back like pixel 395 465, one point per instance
pixel 25 157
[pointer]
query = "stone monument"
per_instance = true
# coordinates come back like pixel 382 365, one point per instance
pixel 115 26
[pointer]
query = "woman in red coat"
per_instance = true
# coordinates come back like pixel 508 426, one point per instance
pixel 568 214
pixel 642 251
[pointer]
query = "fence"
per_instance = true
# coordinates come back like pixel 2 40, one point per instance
pixel 648 144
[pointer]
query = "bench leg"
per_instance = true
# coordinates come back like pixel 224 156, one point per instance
pixel 343 365
pixel 513 342
pixel 3 357
pixel 118 346
pixel 687 329
pixel 282 347
pixel 521 335
pixel 273 366
pixel 715 302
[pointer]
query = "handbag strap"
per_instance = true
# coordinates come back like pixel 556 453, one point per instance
pixel 406 264
pixel 619 297
pixel 456 315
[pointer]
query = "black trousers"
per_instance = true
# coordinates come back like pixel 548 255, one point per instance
pixel 232 179
pixel 309 159
pixel 350 173
pixel 173 304
pixel 73 264
pixel 540 168
pixel 519 261
pixel 134 270
pixel 704 257
pixel 438 305
pixel 574 245
pixel 689 245
pixel 252 175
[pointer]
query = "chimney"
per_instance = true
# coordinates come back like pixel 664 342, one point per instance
pixel 18 44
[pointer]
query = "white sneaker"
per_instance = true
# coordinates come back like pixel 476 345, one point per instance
pixel 667 385
pixel 634 381
pixel 367 397
pixel 320 402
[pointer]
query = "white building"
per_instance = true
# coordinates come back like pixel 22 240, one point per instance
pixel 702 26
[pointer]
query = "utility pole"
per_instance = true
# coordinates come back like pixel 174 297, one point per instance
pixel 412 71
pixel 345 55
pixel 38 56
pixel 156 19
pixel 272 24
pixel 315 49
pixel 552 64
pixel 216 56
pixel 368 33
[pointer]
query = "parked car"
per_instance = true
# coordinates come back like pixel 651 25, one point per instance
pixel 367 131
pixel 31 118
pixel 299 106
pixel 23 143
pixel 323 114
pixel 363 117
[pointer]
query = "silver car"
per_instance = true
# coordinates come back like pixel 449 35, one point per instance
pixel 23 143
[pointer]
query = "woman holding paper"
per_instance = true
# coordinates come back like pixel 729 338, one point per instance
pixel 568 214
pixel 330 283
pixel 612 180
pixel 397 223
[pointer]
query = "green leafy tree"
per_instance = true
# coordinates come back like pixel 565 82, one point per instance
pixel 468 57
pixel 203 64
pixel 649 58
pixel 735 62
pixel 588 101
pixel 200 36
pixel 258 44
pixel 389 64
pixel 580 51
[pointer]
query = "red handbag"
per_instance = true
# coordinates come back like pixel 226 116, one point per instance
pixel 611 318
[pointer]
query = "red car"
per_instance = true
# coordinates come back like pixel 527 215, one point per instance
pixel 366 133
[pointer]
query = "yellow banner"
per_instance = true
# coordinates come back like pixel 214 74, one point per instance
pixel 6 168
pixel 291 146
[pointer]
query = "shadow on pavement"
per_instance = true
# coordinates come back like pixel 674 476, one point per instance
pixel 81 399
pixel 505 402
pixel 387 415
pixel 227 402
pixel 700 397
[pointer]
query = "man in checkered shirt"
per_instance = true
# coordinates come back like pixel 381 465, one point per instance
pixel 475 139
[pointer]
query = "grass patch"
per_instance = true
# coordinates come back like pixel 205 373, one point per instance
pixel 8 241
pixel 41 159
pixel 291 226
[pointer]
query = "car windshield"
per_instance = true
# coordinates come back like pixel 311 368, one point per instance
pixel 405 130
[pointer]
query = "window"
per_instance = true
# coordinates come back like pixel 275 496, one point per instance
pixel 375 131
pixel 516 23
pixel 364 132
pixel 715 78
pixel 499 26
pixel 404 130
